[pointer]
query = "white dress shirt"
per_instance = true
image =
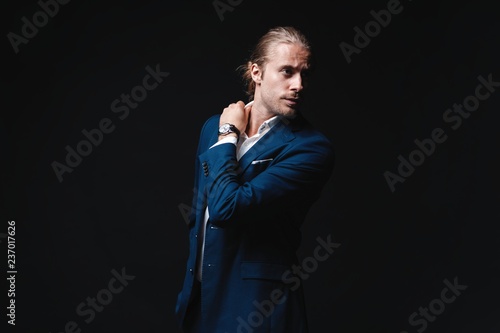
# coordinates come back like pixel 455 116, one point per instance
pixel 242 146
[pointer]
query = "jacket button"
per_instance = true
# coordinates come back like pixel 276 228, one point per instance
pixel 191 270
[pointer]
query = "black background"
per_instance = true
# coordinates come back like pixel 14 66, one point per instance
pixel 119 208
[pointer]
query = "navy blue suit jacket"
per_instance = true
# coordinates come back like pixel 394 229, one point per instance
pixel 257 206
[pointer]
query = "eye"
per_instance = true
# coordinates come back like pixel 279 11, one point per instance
pixel 287 71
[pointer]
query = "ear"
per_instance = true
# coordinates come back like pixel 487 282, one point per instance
pixel 256 73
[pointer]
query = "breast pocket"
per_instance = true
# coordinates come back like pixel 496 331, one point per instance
pixel 254 168
pixel 257 166
pixel 263 162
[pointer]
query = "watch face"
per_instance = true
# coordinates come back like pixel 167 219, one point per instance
pixel 224 128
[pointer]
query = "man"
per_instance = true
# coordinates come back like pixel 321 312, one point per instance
pixel 258 170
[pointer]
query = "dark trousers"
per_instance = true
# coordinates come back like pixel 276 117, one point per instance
pixel 192 322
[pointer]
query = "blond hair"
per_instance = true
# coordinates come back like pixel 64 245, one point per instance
pixel 263 50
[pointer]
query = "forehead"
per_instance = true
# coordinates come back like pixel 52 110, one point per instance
pixel 284 54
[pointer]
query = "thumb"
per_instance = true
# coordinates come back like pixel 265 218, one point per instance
pixel 247 108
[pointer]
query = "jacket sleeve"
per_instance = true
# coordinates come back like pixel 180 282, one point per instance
pixel 293 181
pixel 196 203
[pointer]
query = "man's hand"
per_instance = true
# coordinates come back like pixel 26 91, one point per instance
pixel 236 114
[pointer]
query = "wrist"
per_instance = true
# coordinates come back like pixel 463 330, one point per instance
pixel 224 136
pixel 226 129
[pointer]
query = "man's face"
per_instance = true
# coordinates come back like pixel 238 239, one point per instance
pixel 282 81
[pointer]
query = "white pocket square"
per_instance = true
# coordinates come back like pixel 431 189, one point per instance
pixel 262 161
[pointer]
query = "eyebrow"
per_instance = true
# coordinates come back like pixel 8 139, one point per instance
pixel 305 68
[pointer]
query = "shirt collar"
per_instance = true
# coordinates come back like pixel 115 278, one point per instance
pixel 268 124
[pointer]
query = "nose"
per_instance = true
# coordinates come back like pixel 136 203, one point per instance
pixel 297 83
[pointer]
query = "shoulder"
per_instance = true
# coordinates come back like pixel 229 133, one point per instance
pixel 211 124
pixel 212 121
pixel 309 139
pixel 306 131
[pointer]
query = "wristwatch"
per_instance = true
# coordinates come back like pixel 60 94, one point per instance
pixel 227 128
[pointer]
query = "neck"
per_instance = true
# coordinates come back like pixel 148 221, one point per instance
pixel 256 118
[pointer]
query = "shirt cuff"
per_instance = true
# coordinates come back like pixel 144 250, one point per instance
pixel 229 139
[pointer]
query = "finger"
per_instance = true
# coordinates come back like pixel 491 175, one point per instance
pixel 240 104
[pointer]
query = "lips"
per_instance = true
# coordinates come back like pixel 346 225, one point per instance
pixel 292 101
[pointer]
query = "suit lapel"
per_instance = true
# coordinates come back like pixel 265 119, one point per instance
pixel 281 133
